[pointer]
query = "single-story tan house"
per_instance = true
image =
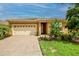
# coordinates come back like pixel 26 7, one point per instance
pixel 32 26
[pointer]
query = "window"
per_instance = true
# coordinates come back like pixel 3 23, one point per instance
pixel 33 25
pixel 29 26
pixel 23 25
pixel 14 26
pixel 20 26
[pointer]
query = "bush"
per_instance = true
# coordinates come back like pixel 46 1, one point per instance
pixel 4 31
pixel 55 32
pixel 43 38
pixel 66 37
pixel 75 33
pixel 72 35
pixel 1 34
pixel 52 37
pixel 46 38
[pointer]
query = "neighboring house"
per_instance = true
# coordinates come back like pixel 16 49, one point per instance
pixel 32 26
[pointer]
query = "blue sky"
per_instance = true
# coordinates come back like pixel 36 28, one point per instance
pixel 33 10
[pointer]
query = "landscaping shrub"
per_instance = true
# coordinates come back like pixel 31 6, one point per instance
pixel 55 32
pixel 75 37
pixel 71 36
pixel 66 37
pixel 4 31
pixel 44 38
pixel 1 34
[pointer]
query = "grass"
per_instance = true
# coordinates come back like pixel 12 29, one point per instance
pixel 59 48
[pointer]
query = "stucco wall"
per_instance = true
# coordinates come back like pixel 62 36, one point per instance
pixel 48 28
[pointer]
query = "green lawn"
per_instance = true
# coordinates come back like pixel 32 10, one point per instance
pixel 59 48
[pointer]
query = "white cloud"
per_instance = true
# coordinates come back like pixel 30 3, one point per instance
pixel 33 4
pixel 40 5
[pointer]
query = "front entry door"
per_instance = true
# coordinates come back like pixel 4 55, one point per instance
pixel 43 28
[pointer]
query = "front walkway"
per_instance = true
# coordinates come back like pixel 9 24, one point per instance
pixel 20 46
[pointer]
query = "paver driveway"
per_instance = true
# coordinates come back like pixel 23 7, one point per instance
pixel 20 46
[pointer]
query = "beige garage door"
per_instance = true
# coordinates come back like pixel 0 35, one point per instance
pixel 24 29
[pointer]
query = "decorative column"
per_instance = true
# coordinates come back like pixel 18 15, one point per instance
pixel 39 27
pixel 12 28
pixel 48 28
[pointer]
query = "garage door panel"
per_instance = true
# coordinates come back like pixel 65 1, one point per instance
pixel 24 29
pixel 22 33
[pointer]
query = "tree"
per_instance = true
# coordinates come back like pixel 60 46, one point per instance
pixel 73 17
pixel 76 4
